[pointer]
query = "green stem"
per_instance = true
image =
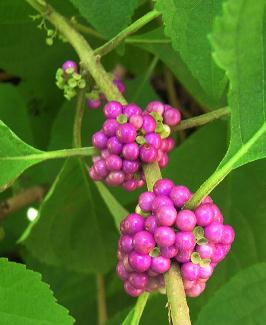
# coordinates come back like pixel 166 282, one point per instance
pixel 136 40
pixel 89 61
pixel 78 119
pixel 64 153
pixel 223 170
pixel 114 42
pixel 177 303
pixel 139 307
pixel 102 308
pixel 202 119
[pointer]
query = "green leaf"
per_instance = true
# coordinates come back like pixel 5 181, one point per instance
pixel 156 43
pixel 187 23
pixel 18 304
pixel 74 228
pixel 242 25
pixel 108 17
pixel 14 156
pixel 240 301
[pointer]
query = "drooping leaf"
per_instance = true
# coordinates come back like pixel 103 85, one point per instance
pixel 240 301
pixel 74 228
pixel 156 43
pixel 101 13
pixel 25 299
pixel 188 23
pixel 242 24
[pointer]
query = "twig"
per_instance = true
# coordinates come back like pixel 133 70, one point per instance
pixel 78 119
pixel 31 195
pixel 114 42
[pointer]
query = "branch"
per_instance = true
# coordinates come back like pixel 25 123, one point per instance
pixel 26 198
pixel 86 29
pixel 202 119
pixel 91 63
pixel 114 42
pixel 78 118
pixel 102 308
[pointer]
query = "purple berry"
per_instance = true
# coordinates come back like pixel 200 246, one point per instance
pixel 115 178
pixel 113 109
pixel 190 271
pixel 163 162
pixel 110 126
pixel 130 167
pixel 206 250
pixel 160 264
pixel 169 144
pixel 132 291
pixel 163 187
pixel 155 106
pixel 214 232
pixel 159 201
pixel 105 153
pixel 186 220
pixel 136 121
pixel 180 195
pixel 205 272
pixel 204 214
pixel 120 85
pixel 207 199
pixel 94 175
pixel 100 168
pixel 154 139
pixel 138 280
pixel 126 244
pixel 149 124
pixel 169 251
pixel 70 65
pixel 164 236
pixel 148 153
pixel 145 201
pixel 114 146
pixel 113 163
pixel 196 290
pixel 126 133
pixel 172 117
pixel 220 252
pixel 133 224
pixel 150 224
pixel 143 242
pixel 166 215
pixel 139 262
pixel 217 215
pixel 185 241
pixel 131 151
pixel 228 234
pixel 94 103
pixel 99 140
pixel 121 271
pixel 130 185
pixel 132 109
pixel 183 256
pixel 188 284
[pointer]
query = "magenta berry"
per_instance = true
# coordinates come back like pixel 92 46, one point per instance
pixel 169 233
pixel 126 133
pixel 164 236
pixel 94 103
pixel 109 127
pixel 115 178
pixel 99 140
pixel 113 109
pixel 143 242
pixel 132 109
pixel 172 117
pixel 149 124
pixel 113 163
pixel 136 121
pixel 155 106
pixel 114 146
pixel 70 65
pixel 131 151
pixel 148 153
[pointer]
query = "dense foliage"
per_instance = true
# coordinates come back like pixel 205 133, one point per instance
pixel 60 63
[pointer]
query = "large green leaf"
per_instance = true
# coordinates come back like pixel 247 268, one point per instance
pixel 156 43
pixel 25 299
pixel 108 17
pixel 14 156
pixel 74 228
pixel 240 301
pixel 187 23
pixel 240 26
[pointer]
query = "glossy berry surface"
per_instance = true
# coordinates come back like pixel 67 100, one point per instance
pixel 168 233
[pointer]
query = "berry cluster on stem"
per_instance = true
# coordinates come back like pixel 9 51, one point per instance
pixel 131 137
pixel 161 231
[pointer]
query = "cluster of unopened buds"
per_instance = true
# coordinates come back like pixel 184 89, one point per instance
pixel 130 137
pixel 69 79
pixel 162 231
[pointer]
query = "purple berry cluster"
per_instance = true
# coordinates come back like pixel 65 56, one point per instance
pixel 161 231
pixel 130 137
pixel 96 97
